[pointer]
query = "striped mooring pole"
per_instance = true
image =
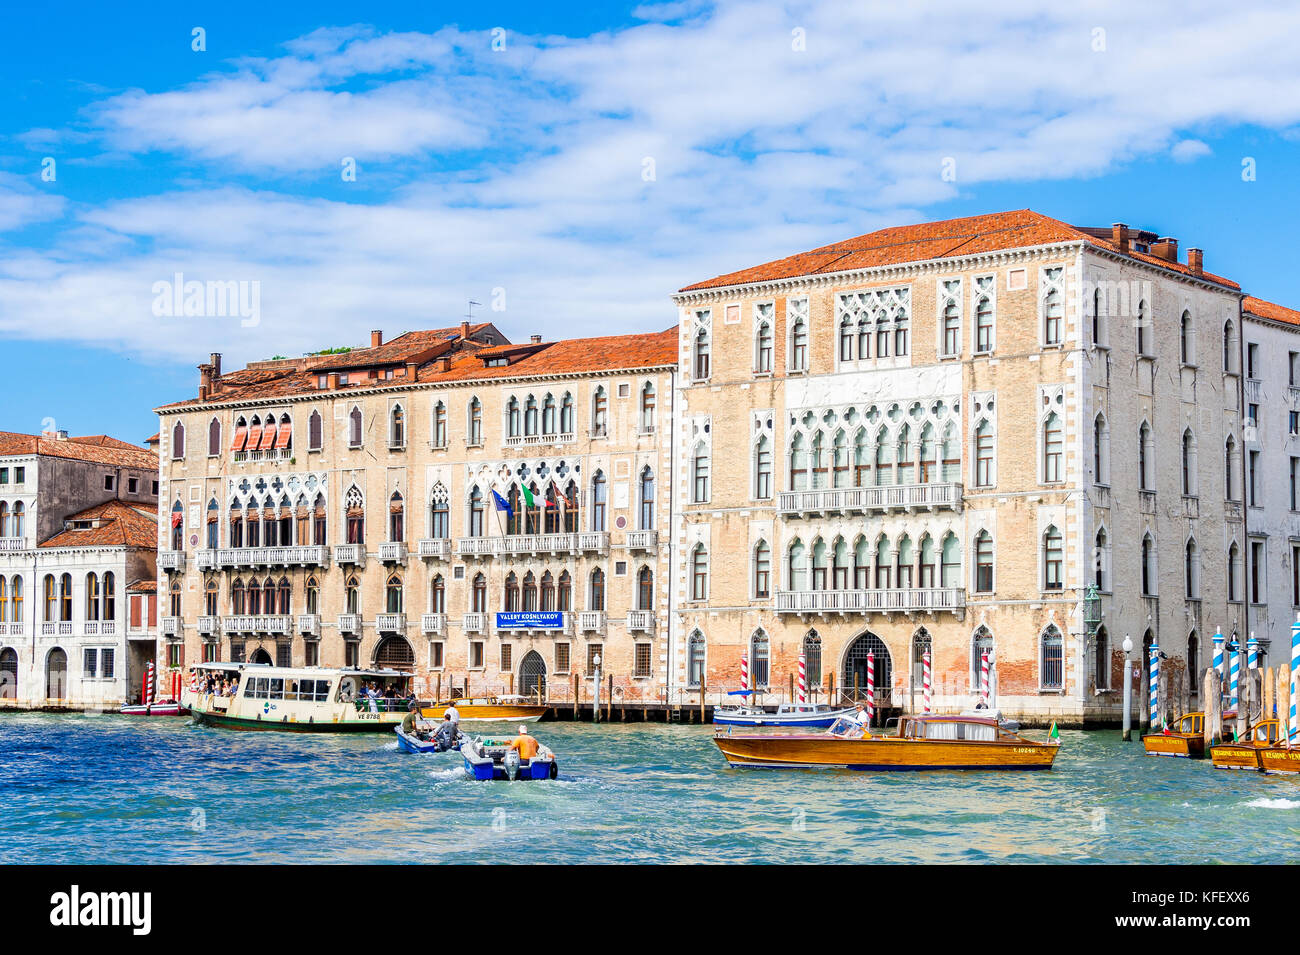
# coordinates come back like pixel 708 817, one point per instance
pixel 803 678
pixel 925 680
pixel 871 687
pixel 984 677
pixel 1252 652
pixel 1293 728
pixel 1218 659
pixel 1234 673
pixel 744 672
pixel 1154 685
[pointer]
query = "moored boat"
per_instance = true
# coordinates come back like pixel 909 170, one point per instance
pixel 923 742
pixel 1244 754
pixel 301 699
pixel 786 714
pixel 492 758
pixel 1185 739
pixel 488 710
pixel 156 708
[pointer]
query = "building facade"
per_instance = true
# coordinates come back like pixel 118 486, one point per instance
pixel 78 519
pixel 481 513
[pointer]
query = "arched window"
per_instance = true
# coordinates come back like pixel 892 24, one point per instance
pixel 647 499
pixel 1143 329
pixel 311 592
pixel 1101 561
pixel 19 511
pixel 1146 479
pixel 645 589
pixel 352 595
pixel 51 600
pixel 354 428
pixel 812 655
pixel 1229 347
pixel 599 413
pixel 700 474
pixel 798 464
pixel 92 597
pixel 178 441
pixel 393 594
pixel 177 528
pixel 950 561
pixel 514 424
pixel 1101 660
pixel 1053 559
pixel 983 324
pixel 214 438
pixel 439 513
pixel 530 591
pixel 984 465
pixel 1053 313
pixel 647 424
pixel 951 330
pixel 530 415
pixel 1052 660
pixel 1148 566
pixel 474 427
pixel 699 573
pixel 65 597
pixel 4 600
pixel 1230 469
pixel 796 565
pixel 760 661
pixel 354 505
pixel 4 519
pixel 396 517
pixel 548 415
pixel 564 593
pixel 984 562
pixel 238 605
pixel 284 597
pixel 596 596
pixel 763 348
pixel 397 427
pixel 513 602
pixel 763 469
pixel 476 512
pixel 700 356
pixel 439 425
pixel 762 570
pixel 1100 451
pixel 478 594
pixel 1193 660
pixel 695 660
pixel 566 415
pixel 315 431
pixel 1186 340
pixel 599 489
pixel 1234 573
pixel 799 344
pixel 846 339
pixel 1192 570
pixel 1189 463
pixel 547 592
pixel 1053 450
pixel 1099 318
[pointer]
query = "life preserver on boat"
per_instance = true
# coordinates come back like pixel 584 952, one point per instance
pixel 555 769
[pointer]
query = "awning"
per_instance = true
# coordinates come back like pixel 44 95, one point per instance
pixel 176 520
pixel 254 435
pixel 282 437
pixel 268 437
pixel 241 435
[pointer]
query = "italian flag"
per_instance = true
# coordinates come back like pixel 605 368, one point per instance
pixel 528 497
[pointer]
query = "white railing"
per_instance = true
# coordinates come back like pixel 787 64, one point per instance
pixel 349 623
pixel 209 624
pixel 925 599
pixel 438 547
pixel 91 628
pixel 529 440
pixel 273 454
pixel 642 540
pixel 879 498
pixel 171 626
pixel 309 624
pixel 11 629
pixel 257 623
pixel 593 541
pixel 391 622
pixel 12 543
pixel 641 620
pixel 393 551
pixel 108 628
pixel 517 545
pixel 474 546
pixel 591 621
pixel 1254 391
pixel 47 629
pixel 171 559
pixel 474 623
pixel 433 623
pixel 206 559
pixel 350 553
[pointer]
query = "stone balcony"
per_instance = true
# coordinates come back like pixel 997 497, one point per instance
pixel 530 545
pixel 11 544
pixel 274 624
pixel 433 624
pixel 474 623
pixel 869 500
pixel 439 548
pixel 350 623
pixel 209 625
pixel 171 560
pixel 171 626
pixel 534 440
pixel 235 558
pixel 309 624
pixel 591 621
pixel 641 621
pixel 393 552
pixel 350 554
pixel 642 540
pixel 390 623
pixel 100 628
pixel 877 600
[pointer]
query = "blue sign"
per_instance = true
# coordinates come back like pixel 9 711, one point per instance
pixel 531 620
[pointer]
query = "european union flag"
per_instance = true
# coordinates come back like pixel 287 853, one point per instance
pixel 502 504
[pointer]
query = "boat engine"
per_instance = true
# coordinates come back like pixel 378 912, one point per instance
pixel 511 764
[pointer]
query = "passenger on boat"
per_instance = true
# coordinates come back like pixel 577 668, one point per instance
pixel 860 714
pixel 447 731
pixel 525 744
pixel 453 714
pixel 413 723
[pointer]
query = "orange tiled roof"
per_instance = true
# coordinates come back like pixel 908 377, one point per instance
pixel 949 238
pixel 1270 310
pixel 572 356
pixel 98 449
pixel 118 525
pixel 142 586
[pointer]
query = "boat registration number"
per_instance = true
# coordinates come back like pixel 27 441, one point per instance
pixel 1023 749
pixel 367 716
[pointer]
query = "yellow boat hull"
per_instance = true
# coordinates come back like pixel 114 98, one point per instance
pixel 1174 744
pixel 1234 756
pixel 1278 759
pixel 488 712
pixel 882 753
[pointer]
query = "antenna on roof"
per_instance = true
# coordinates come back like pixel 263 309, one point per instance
pixel 469 312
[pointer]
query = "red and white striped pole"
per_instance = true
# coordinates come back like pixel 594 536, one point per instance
pixel 925 680
pixel 803 679
pixel 150 684
pixel 871 687
pixel 744 671
pixel 984 677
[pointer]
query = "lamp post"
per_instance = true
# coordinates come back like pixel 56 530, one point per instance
pixel 1128 689
pixel 595 711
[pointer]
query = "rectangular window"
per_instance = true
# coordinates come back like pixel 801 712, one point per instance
pixel 176 654
pixel 20 476
pixel 1053 668
pixel 562 658
pixel 90 665
pixel 1252 359
pixel 506 658
pixel 108 482
pixel 641 663
pixel 984 565
pixel 1257 583
pixel 1295 473
pixel 1252 468
pixel 351 653
pixel 701 484
pixel 1293 368
pixel 311 652
pixel 1293 423
pixel 133 485
pixel 476 654
pixel 4 475
pixel 593 651
pixel 1295 575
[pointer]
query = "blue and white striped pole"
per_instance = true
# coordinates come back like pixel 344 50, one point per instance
pixel 1293 729
pixel 1234 673
pixel 1252 652
pixel 1155 685
pixel 1218 660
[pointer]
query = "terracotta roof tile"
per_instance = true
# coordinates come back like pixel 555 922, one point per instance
pixel 97 449
pixel 932 240
pixel 118 525
pixel 1270 310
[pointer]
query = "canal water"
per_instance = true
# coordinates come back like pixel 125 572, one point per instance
pixel 107 789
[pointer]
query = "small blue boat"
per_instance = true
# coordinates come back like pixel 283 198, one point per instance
pixel 492 758
pixel 426 742
pixel 787 714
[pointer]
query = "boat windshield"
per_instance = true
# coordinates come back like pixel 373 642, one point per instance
pixel 845 727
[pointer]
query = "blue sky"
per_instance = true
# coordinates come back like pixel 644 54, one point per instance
pixel 579 172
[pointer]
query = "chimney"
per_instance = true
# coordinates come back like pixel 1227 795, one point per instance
pixel 535 339
pixel 203 392
pixel 376 338
pixel 61 435
pixel 333 380
pixel 1166 248
pixel 444 363
pixel 464 329
pixel 410 370
pixel 1119 235
pixel 1195 261
pixel 214 359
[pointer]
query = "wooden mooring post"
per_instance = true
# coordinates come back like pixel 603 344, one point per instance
pixel 701 700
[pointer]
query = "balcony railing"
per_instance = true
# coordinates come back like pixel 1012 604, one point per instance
pixel 11 629
pixel 591 621
pixel 103 628
pixel 642 540
pixel 294 555
pixel 309 624
pixel 524 545
pixel 435 623
pixel 171 560
pixel 209 625
pixel 641 620
pixel 1254 388
pixel 350 623
pixel 350 554
pixel 436 547
pixel 393 552
pixel 849 500
pixel 171 626
pixel 272 454
pixel 880 600
pixel 8 544
pixel 272 623
pixel 529 440
pixel 391 623
pixel 474 623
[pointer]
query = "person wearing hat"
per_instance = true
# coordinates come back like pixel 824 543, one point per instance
pixel 525 744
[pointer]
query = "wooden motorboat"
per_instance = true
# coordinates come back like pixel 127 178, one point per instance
pixel 488 710
pixel 492 758
pixel 428 742
pixel 156 708
pixel 1186 739
pixel 787 714
pixel 923 742
pixel 1244 754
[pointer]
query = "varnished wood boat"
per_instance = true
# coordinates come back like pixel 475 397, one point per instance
pixel 923 742
pixel 1186 739
pixel 488 710
pixel 1245 753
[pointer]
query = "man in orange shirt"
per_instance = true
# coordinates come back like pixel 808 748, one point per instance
pixel 526 744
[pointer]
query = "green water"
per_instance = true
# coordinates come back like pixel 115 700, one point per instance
pixel 78 789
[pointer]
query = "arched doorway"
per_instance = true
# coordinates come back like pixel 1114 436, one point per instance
pixel 394 653
pixel 261 656
pixel 855 668
pixel 56 674
pixel 532 675
pixel 8 673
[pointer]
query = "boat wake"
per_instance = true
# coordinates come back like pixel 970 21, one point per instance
pixel 1274 804
pixel 448 774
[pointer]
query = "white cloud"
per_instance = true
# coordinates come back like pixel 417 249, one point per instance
pixel 1189 150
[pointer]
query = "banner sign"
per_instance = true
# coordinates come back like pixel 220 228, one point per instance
pixel 531 620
